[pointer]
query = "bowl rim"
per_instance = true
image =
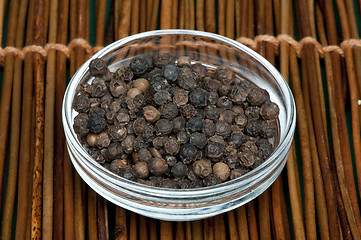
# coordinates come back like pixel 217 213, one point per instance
pixel 184 193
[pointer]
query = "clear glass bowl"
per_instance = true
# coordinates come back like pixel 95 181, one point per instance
pixel 190 204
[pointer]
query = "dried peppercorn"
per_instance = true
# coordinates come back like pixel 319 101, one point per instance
pixel 140 143
pixel 163 58
pixel 180 97
pixel 188 111
pixel 171 160
pixel 184 183
pixel 225 75
pixel 256 96
pixel 117 164
pixel 232 161
pixel 184 61
pixel 214 150
pixel 179 170
pixel 265 148
pixel 208 127
pixel 253 127
pixel 169 111
pixel 157 84
pixel 224 90
pixel 81 103
pixel 117 88
pixel 128 173
pixel 221 170
pixel 198 98
pixel 212 112
pixel 238 95
pixel 186 79
pixel 164 126
pixel 141 84
pixel 268 129
pixel 151 114
pixel 98 67
pixel 148 133
pixel 139 101
pixel 128 144
pixel 227 116
pixel 194 124
pixel 178 124
pixel 158 166
pixel 158 142
pixel 241 120
pixel 198 139
pixel 246 159
pixel 188 153
pixel 144 155
pixel 123 118
pixel 200 70
pixel 81 124
pixel 252 112
pixel 162 97
pixel 133 92
pixel 170 72
pixel 249 146
pixel 236 173
pixel 91 139
pixel 138 65
pixel 223 129
pixel 114 150
pixel 182 137
pixel 124 73
pixel 238 138
pixel 98 88
pixel 211 180
pixel 269 111
pixel 97 122
pixel 202 168
pixel 213 98
pixel 171 146
pixel 141 169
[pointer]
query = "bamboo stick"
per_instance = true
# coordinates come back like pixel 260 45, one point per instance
pixel 134 22
pixel 210 16
pixel 277 15
pixel 179 231
pixel 197 229
pixel 14 130
pixel 2 17
pixel 143 16
pixel 7 84
pixel 103 232
pixel 79 222
pixel 250 19
pixel 192 17
pixel 188 230
pixel 242 223
pixel 133 232
pixel 26 140
pixel 260 20
pixel 319 185
pixel 124 20
pixel 149 13
pixel 238 17
pixel 208 228
pixel 152 229
pixel 232 225
pixel 230 18
pixel 120 224
pixel 154 15
pixel 320 26
pixel 264 215
pixel 49 129
pixel 246 11
pixel 94 209
pixel 110 32
pixel 38 63
pixel 100 23
pixel 252 220
pixel 200 15
pixel 222 17
pixel 166 230
pixel 220 229
pixel 143 233
pixel 166 14
pixel 345 192
pixel 181 23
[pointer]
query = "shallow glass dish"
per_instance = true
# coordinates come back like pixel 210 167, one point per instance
pixel 191 204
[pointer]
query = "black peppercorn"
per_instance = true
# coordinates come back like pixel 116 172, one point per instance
pixel 141 169
pixel 170 72
pixel 179 170
pixel 198 98
pixel 241 120
pixel 98 67
pixel 221 170
pixel 117 132
pixel 237 95
pixel 157 84
pixel 171 160
pixel 256 96
pixel 171 146
pixel 252 112
pixel 98 88
pixel 138 65
pixel 268 129
pixel 117 88
pixel 224 75
pixel 180 97
pixel 194 124
pixel 198 139
pixel 232 161
pixel 236 173
pixel 81 103
pixel 212 112
pixel 265 148
pixel 213 98
pixel 208 127
pixel 144 155
pixel 182 137
pixel 249 146
pixel 186 79
pixel 200 70
pixel 158 166
pixel 151 114
pixel 163 58
pixel 169 111
pixel 164 126
pixel 128 173
pixel 214 150
pixel 128 144
pixel 237 138
pixel 246 159
pixel 202 168
pixel 97 122
pixel 253 127
pixel 124 73
pixel 269 111
pixel 184 61
pixel 114 150
pixel 188 111
pixel 162 97
pixel 211 180
pixel 81 124
pixel 188 153
pixel 223 129
pixel 178 124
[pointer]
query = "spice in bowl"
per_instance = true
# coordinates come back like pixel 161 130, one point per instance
pixel 170 123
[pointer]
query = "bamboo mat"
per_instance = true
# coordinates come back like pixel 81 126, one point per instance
pixel 315 45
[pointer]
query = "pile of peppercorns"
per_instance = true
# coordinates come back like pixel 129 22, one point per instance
pixel 166 122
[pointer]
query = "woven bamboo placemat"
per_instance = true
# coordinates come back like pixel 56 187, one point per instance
pixel 314 44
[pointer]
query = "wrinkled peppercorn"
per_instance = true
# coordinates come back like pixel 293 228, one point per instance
pixel 98 67
pixel 158 128
pixel 198 98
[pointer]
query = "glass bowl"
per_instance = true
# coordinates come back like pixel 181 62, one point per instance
pixel 190 204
